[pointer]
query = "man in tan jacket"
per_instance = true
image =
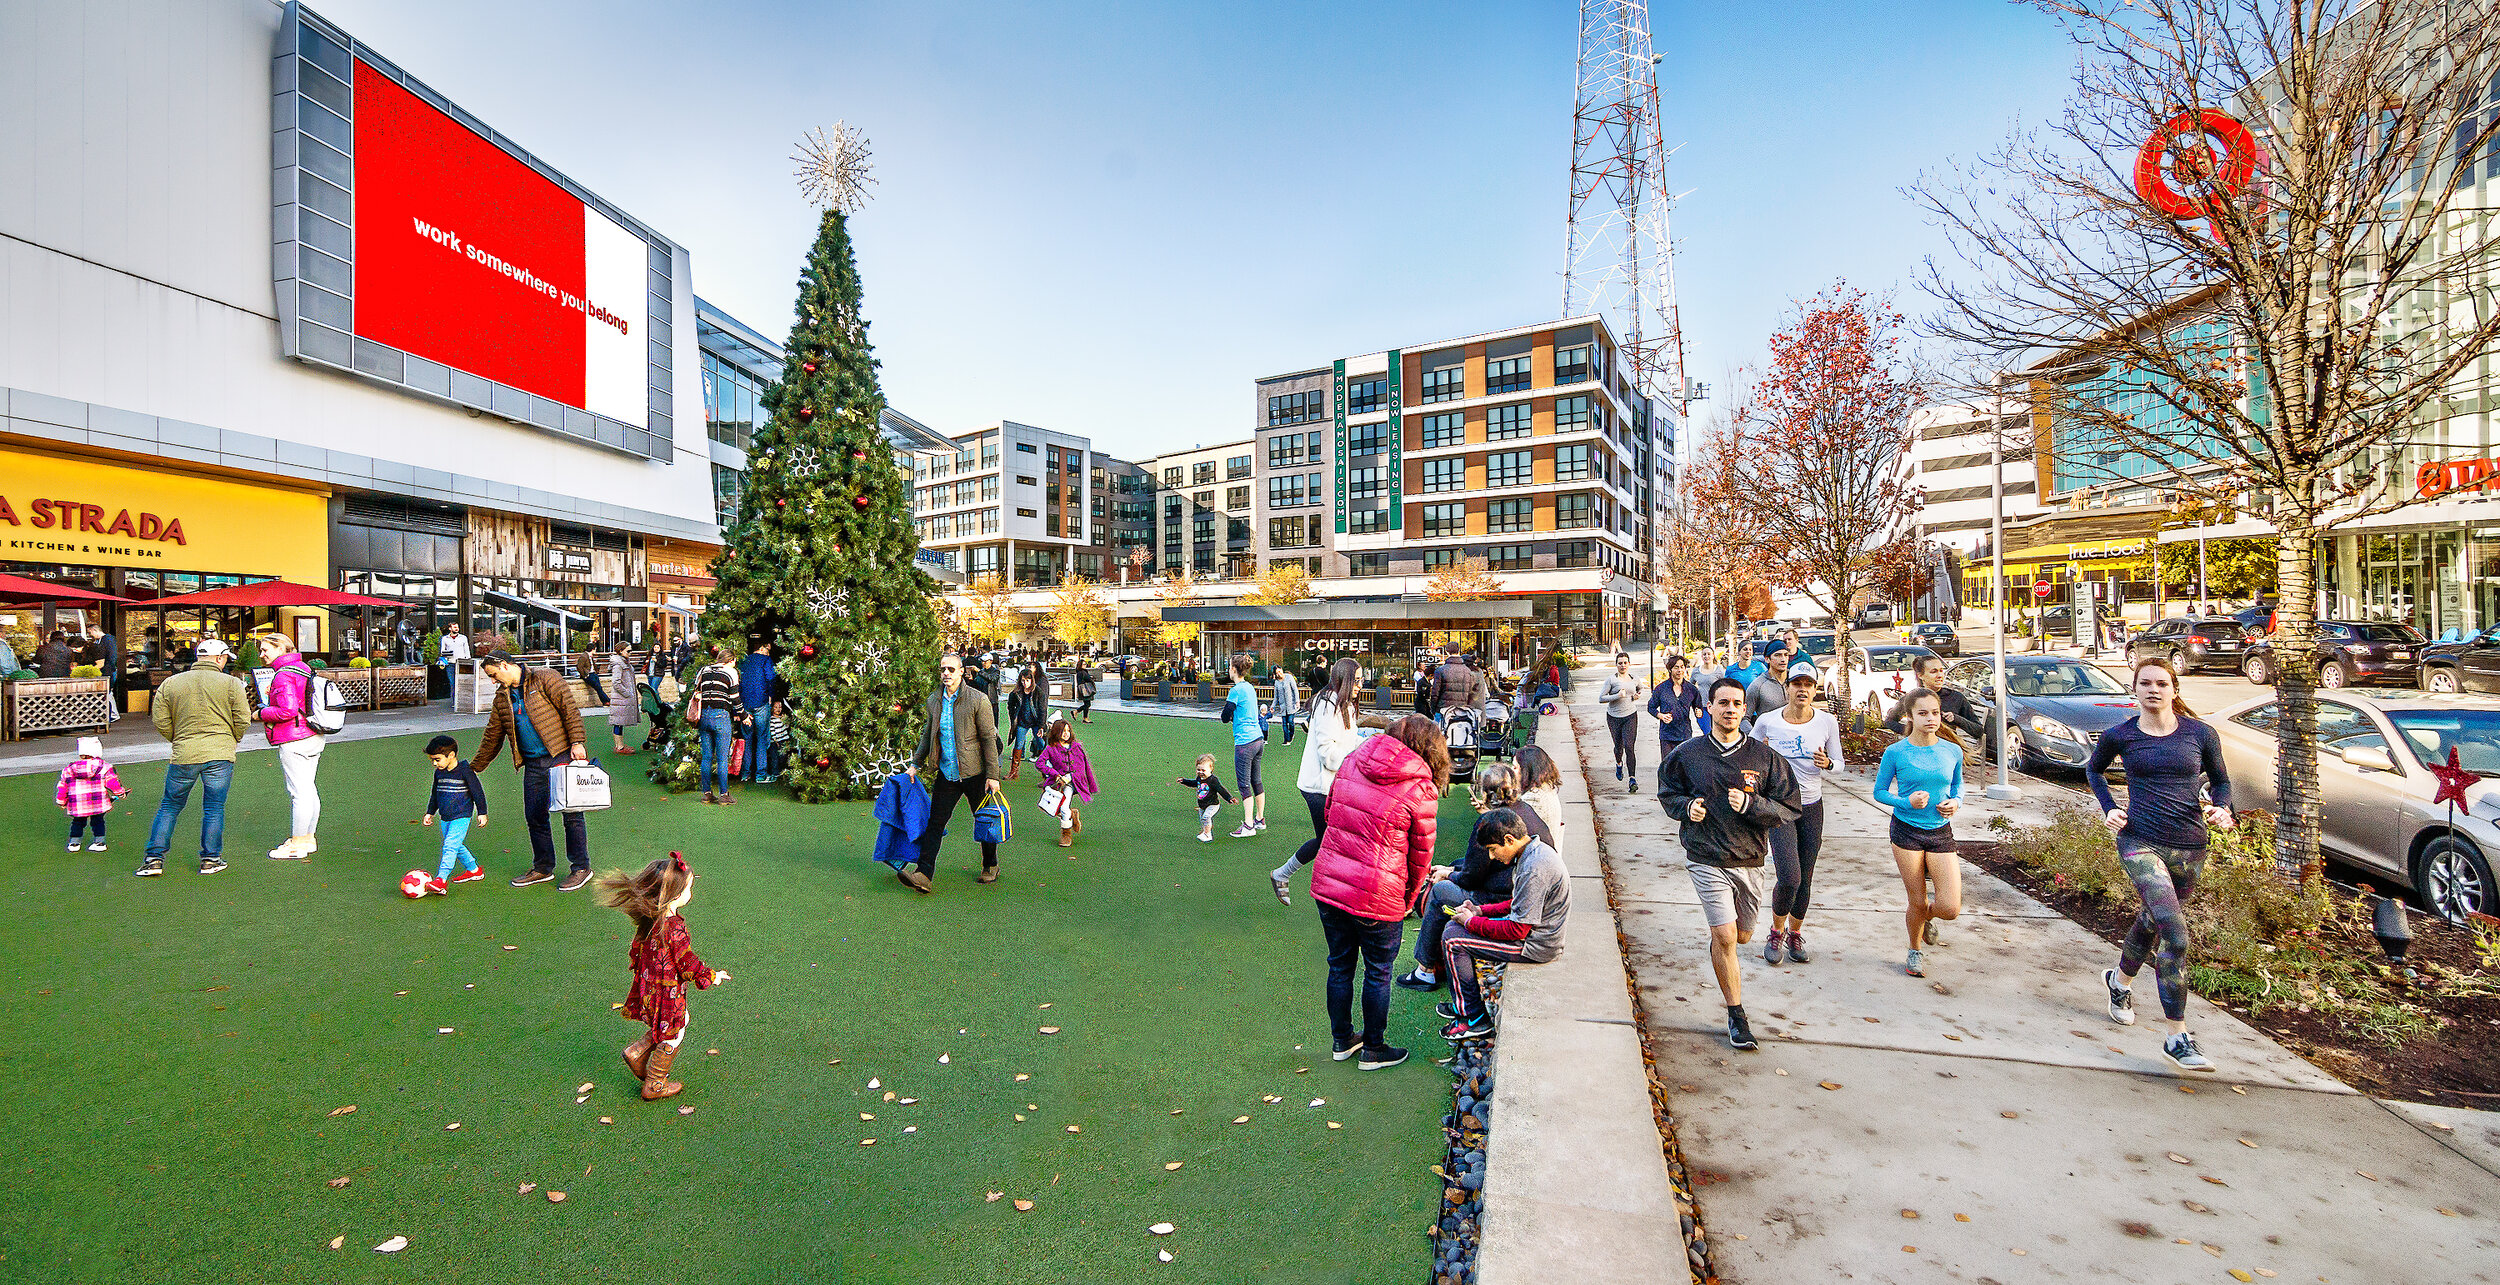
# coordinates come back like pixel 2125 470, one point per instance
pixel 547 732
pixel 958 760
pixel 203 713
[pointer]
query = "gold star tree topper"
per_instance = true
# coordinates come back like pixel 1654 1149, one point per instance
pixel 833 168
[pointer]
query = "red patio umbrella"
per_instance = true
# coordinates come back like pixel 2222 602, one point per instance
pixel 23 590
pixel 272 593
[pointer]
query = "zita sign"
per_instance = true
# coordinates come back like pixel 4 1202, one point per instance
pixel 2439 477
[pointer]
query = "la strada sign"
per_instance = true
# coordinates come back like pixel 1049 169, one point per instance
pixel 74 511
pixel 78 527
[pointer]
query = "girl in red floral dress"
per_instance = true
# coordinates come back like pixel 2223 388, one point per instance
pixel 664 963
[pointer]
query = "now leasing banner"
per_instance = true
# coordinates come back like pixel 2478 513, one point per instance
pixel 467 257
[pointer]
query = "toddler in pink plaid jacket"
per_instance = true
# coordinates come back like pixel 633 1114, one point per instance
pixel 87 790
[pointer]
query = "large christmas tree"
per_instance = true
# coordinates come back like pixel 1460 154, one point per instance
pixel 819 560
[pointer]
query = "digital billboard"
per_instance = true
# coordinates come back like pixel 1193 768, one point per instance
pixel 421 249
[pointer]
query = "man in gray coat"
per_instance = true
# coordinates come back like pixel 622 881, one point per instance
pixel 1770 691
pixel 958 761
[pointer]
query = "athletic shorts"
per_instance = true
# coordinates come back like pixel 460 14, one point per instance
pixel 1940 839
pixel 1729 894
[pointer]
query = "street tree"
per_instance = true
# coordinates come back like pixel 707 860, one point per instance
pixel 2241 567
pixel 1809 465
pixel 1178 589
pixel 1465 580
pixel 2253 252
pixel 992 614
pixel 1282 583
pixel 1080 613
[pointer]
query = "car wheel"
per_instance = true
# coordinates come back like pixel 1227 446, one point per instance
pixel 2455 880
pixel 2178 661
pixel 2257 670
pixel 2331 674
pixel 2443 681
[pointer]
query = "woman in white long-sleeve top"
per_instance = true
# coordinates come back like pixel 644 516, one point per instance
pixel 1333 734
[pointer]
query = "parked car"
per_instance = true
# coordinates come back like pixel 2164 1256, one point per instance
pixel 1879 676
pixel 1875 615
pixel 2375 787
pixel 2373 653
pixel 2056 707
pixel 2256 619
pixel 2190 643
pixel 2472 665
pixel 1936 636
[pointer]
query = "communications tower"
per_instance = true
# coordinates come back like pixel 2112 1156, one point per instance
pixel 1617 257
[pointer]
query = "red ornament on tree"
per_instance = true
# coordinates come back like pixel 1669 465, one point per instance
pixel 898 707
pixel 778 504
pixel 859 501
pixel 807 651
pixel 859 455
pixel 807 414
pixel 824 762
pixel 808 366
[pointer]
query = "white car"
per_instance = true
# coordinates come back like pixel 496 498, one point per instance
pixel 1881 675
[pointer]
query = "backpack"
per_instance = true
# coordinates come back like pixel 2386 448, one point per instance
pixel 325 710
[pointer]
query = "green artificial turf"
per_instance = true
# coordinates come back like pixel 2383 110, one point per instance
pixel 172 1050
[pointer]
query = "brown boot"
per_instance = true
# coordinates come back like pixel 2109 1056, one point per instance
pixel 989 874
pixel 1079 819
pixel 1015 763
pixel 638 1054
pixel 655 1082
pixel 1067 837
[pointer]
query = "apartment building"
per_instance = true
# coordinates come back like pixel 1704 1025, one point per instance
pixel 1009 499
pixel 1205 500
pixel 1948 463
pixel 1121 505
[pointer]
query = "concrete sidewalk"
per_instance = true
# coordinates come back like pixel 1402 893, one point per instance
pixel 1989 1122
pixel 134 738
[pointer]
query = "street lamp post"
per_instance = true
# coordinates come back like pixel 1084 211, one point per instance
pixel 2203 593
pixel 2003 790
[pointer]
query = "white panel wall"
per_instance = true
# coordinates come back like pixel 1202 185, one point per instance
pixel 135 256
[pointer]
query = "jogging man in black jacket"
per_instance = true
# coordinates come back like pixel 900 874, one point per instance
pixel 1729 791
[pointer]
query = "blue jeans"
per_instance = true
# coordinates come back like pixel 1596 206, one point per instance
pixel 455 847
pixel 213 777
pixel 1288 721
pixel 758 745
pixel 1374 944
pixel 712 760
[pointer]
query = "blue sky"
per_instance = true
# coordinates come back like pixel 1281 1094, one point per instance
pixel 1110 218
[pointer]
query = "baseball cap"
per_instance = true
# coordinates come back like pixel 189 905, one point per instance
pixel 214 647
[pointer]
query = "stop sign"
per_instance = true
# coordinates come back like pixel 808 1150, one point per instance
pixel 2039 588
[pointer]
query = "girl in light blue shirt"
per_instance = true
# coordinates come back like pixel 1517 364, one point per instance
pixel 1920 779
pixel 1249 743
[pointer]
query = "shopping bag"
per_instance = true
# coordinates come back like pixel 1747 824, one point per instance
pixel 1054 801
pixel 990 821
pixel 738 756
pixel 577 787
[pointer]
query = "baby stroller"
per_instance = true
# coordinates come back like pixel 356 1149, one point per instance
pixel 1500 729
pixel 656 713
pixel 1460 726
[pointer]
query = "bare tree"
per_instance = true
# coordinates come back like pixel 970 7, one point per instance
pixel 2313 285
pixel 1811 464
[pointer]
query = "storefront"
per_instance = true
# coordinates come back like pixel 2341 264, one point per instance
pixel 1388 639
pixel 681 580
pixel 144 534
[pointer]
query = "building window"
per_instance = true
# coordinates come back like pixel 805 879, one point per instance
pixel 1509 515
pixel 1237 533
pixel 1571 413
pixel 1445 385
pixel 1511 557
pixel 1364 396
pixel 1571 463
pixel 1237 466
pixel 963 491
pixel 1366 521
pixel 1202 473
pixel 989 521
pixel 1172 477
pixel 1367 564
pixel 1571 553
pixel 1444 520
pixel 1236 497
pixel 1285 492
pixel 1022 480
pixel 728 485
pixel 1203 562
pixel 1028 448
pixel 1284 450
pixel 1297 408
pixel 985 559
pixel 1363 483
pixel 1509 468
pixel 1571 511
pixel 989 452
pixel 1446 475
pixel 1571 365
pixel 1440 559
pixel 1202 528
pixel 1026 513
pixel 1503 422
pixel 1288 533
pixel 1444 430
pixel 1310 448
pixel 1508 375
pixel 1366 439
pixel 1203 500
pixel 1050 525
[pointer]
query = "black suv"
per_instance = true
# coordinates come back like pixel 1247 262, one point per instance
pixel 2190 643
pixel 2373 653
pixel 1936 636
pixel 2472 665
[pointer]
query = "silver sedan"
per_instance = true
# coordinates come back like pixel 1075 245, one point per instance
pixel 2375 787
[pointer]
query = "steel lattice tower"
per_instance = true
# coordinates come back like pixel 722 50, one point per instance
pixel 1617 258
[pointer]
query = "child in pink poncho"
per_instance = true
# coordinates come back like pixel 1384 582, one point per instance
pixel 1064 770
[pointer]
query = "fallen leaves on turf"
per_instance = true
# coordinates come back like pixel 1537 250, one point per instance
pixel 1319 1102
pixel 2245 1142
pixel 1829 1084
pixel 1171 1166
pixel 1075 1129
pixel 1163 1255
pixel 943 1058
pixel 905 1101
pixel 336 1241
pixel 1239 1119
pixel 865 1116
pixel 1909 1213
pixel 868 1142
pixel 555 1197
pixel 685 1110
pixel 336 1183
pixel 1050 1030
pixel 451 1126
pixel 346 1110
pixel 876 1083
pixel 993 1196
pixel 607 1119
pixel 1160 1229
pixel 511 948
pixel 526 1188
pixel 1021 1077
pixel 391 1246
pixel 1334 1125
pixel 1024 1206
pixel 2177 1159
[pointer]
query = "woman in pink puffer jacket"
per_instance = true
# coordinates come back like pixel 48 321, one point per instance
pixel 1373 860
pixel 299 746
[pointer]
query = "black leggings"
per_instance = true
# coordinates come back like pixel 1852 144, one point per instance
pixel 1623 730
pixel 1309 852
pixel 1793 849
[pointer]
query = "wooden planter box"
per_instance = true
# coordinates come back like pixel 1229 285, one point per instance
pixel 38 705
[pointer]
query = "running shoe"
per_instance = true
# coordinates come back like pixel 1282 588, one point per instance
pixel 1204 837
pixel 287 851
pixel 75 845
pixel 1474 1028
pixel 438 887
pixel 1797 949
pixel 1933 938
pixel 1739 1031
pixel 1771 948
pixel 1283 884
pixel 1381 1058
pixel 1262 826
pixel 1618 771
pixel 150 868
pixel 1417 981
pixel 1448 1009
pixel 470 875
pixel 2182 1052
pixel 1915 965
pixel 211 865
pixel 1246 832
pixel 2121 997
pixel 97 846
pixel 1345 1050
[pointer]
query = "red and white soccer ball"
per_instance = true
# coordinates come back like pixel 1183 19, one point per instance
pixel 412 884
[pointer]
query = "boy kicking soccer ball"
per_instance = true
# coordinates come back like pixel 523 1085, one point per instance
pixel 458 797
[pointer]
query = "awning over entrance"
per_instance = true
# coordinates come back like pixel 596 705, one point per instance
pixel 540 608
